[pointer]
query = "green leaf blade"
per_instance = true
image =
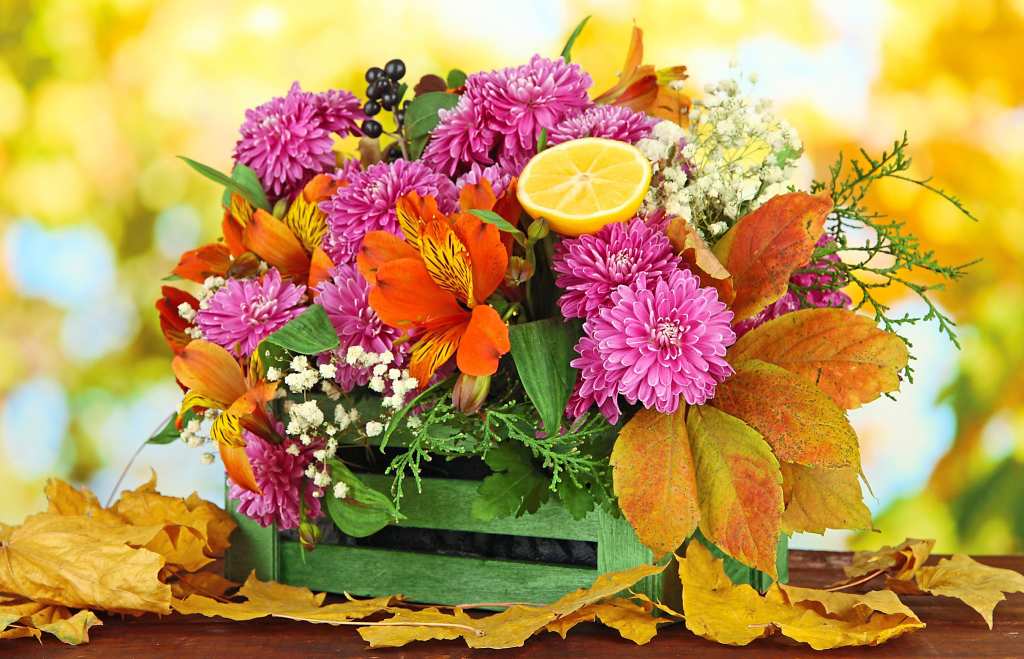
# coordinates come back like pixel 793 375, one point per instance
pixel 309 333
pixel 364 510
pixel 246 184
pixel 421 117
pixel 490 217
pixel 567 50
pixel 542 351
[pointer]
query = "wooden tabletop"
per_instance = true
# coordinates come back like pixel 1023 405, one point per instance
pixel 953 630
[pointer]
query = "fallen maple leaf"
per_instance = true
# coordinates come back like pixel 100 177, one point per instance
pixel 653 477
pixel 900 562
pixel 845 354
pixel 430 624
pixel 980 587
pixel 633 621
pixel 720 611
pixel 818 499
pixel 26 618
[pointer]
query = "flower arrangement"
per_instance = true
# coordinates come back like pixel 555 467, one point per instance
pixel 616 300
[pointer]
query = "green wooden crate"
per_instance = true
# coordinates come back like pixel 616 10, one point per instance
pixel 444 579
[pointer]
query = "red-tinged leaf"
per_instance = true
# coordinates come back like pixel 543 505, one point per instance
pixel 764 248
pixel 654 480
pixel 211 260
pixel 818 499
pixel 844 353
pixel 798 420
pixel 275 243
pixel 739 485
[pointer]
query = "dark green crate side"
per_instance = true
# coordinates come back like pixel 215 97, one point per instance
pixel 618 548
pixel 253 547
pixel 430 578
pixel 447 504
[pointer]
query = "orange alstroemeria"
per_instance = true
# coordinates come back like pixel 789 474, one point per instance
pixel 172 324
pixel 216 381
pixel 436 282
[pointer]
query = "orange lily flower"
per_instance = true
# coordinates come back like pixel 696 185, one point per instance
pixel 172 324
pixel 215 381
pixel 436 283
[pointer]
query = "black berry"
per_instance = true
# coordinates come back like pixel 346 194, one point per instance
pixel 373 73
pixel 393 153
pixel 400 116
pixel 372 128
pixel 371 108
pixel 377 88
pixel 389 100
pixel 395 69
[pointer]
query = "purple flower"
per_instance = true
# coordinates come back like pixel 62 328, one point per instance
pixel 287 140
pixel 246 311
pixel 590 267
pixel 345 297
pixel 461 137
pixel 280 476
pixel 367 203
pixel 610 121
pixel 821 274
pixel 655 345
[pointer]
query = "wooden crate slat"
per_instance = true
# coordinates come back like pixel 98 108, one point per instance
pixel 618 548
pixel 253 547
pixel 432 578
pixel 446 504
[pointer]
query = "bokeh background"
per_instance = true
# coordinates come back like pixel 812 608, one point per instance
pixel 97 97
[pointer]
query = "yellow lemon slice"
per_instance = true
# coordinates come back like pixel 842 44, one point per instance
pixel 581 185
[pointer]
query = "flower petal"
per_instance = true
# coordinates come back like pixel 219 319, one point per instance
pixel 171 323
pixel 378 248
pixel 477 195
pixel 487 254
pixel 434 348
pixel 306 221
pixel 274 242
pixel 211 260
pixel 484 342
pixel 413 213
pixel 447 259
pixel 319 268
pixel 211 371
pixel 232 229
pixel 406 295
pixel 227 429
pixel 238 467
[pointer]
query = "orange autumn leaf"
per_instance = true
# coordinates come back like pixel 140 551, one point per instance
pixel 654 480
pixel 698 258
pixel 739 487
pixel 798 420
pixel 764 248
pixel 845 354
pixel 818 499
pixel 900 562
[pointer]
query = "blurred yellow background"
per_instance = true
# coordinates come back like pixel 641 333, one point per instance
pixel 98 97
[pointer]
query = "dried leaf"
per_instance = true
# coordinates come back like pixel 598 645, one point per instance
pixel 654 479
pixel 73 630
pixel 978 586
pixel 210 584
pixel 797 419
pixel 64 499
pixel 698 258
pixel 634 622
pixel 845 354
pixel 720 611
pixel 818 499
pixel 739 485
pixel 27 618
pixel 900 562
pixel 408 625
pixel 764 248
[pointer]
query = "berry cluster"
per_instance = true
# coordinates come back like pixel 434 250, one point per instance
pixel 384 93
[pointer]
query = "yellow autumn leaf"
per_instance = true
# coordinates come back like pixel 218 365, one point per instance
pixel 739 486
pixel 817 499
pixel 26 618
pixel 64 499
pixel 73 630
pixel 720 611
pixel 634 622
pixel 653 478
pixel 980 587
pixel 207 583
pixel 406 626
pixel 900 562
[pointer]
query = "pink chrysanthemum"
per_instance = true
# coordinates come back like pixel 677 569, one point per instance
pixel 590 267
pixel 656 345
pixel 367 203
pixel 828 283
pixel 462 136
pixel 246 311
pixel 287 140
pixel 610 121
pixel 345 298
pixel 280 476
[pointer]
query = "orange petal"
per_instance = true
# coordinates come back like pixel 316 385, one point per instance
pixel 171 323
pixel 413 213
pixel 319 267
pixel 405 295
pixel 447 259
pixel 238 467
pixel 435 348
pixel 232 230
pixel 211 260
pixel 484 342
pixel 487 253
pixel 306 222
pixel 274 242
pixel 211 371
pixel 477 195
pixel 379 247
pixel 319 188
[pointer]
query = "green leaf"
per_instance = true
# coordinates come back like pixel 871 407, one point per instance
pixel 490 217
pixel 567 51
pixel 169 433
pixel 542 140
pixel 171 278
pixel 576 499
pixel 309 333
pixel 456 78
pixel 243 181
pixel 740 574
pixel 364 510
pixel 514 489
pixel 421 118
pixel 542 351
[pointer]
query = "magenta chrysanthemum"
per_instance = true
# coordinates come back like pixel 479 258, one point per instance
pixel 367 203
pixel 287 140
pixel 279 475
pixel 590 267
pixel 656 345
pixel 462 136
pixel 345 298
pixel 613 122
pixel 821 277
pixel 246 311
